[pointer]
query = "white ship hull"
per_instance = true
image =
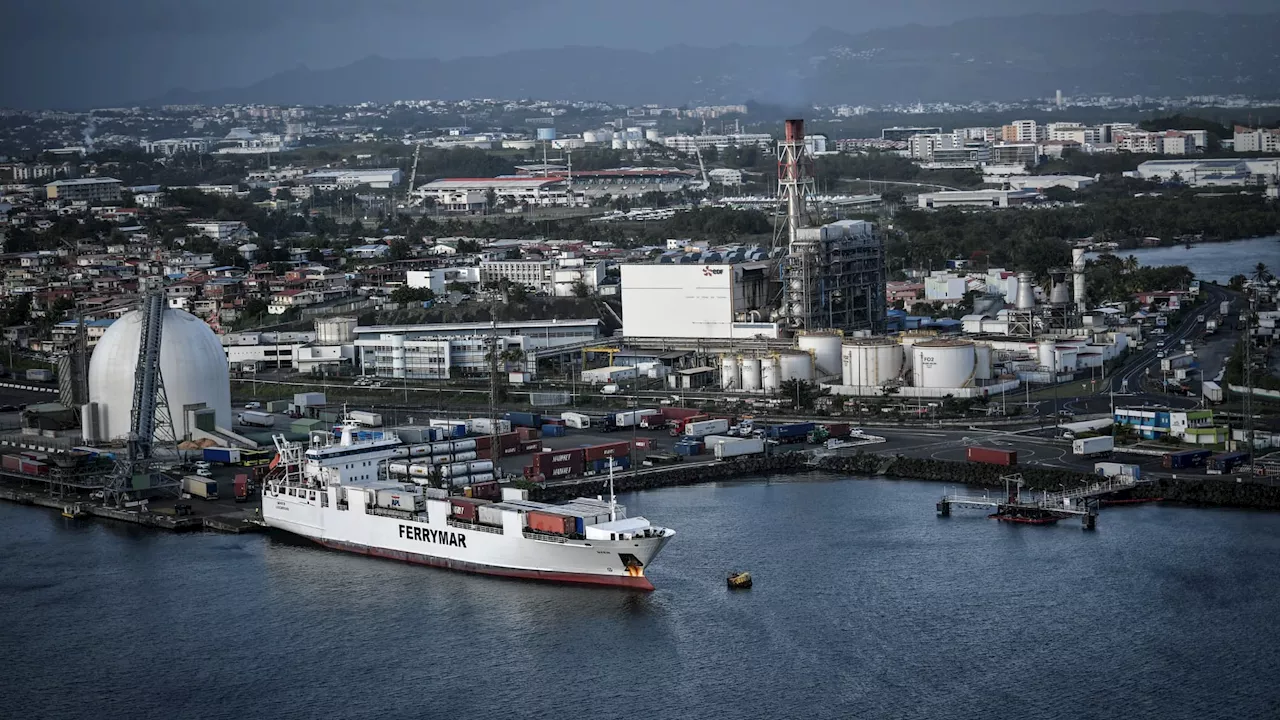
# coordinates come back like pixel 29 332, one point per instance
pixel 433 538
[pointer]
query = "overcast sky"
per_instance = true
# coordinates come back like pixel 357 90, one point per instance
pixel 98 52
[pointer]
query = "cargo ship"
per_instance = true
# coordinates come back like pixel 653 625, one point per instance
pixel 338 493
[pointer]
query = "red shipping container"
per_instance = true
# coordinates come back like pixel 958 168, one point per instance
pixel 513 450
pixel 573 459
pixel 992 456
pixel 608 450
pixel 550 523
pixel 484 443
pixel 527 433
pixel 531 446
pixel 645 443
pixel 552 421
pixel 12 462
pixel 464 508
pixel 486 490
pixel 838 430
pixel 509 440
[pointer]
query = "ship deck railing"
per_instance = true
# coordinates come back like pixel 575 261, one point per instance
pixel 545 536
pixel 398 514
pixel 464 525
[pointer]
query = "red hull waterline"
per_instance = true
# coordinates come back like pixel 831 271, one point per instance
pixel 632 582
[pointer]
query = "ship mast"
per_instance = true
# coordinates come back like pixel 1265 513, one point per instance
pixel 613 499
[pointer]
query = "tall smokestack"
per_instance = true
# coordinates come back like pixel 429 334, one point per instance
pixel 1077 278
pixel 1026 298
pixel 793 174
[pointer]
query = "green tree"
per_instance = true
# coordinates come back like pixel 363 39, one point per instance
pixel 580 289
pixel 400 249
pixel 406 295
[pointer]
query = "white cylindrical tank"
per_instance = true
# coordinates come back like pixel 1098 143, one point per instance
pixel 463 445
pixel 400 452
pixel 653 135
pixel 419 450
pixel 89 422
pixel 454 470
pixel 335 330
pixel 909 340
pixel 594 137
pixel 730 378
pixel 751 381
pixel 398 468
pixel 419 470
pixel 1026 297
pixel 441 459
pixel 943 364
pixel 1045 351
pixel 441 448
pixel 480 466
pixel 192 361
pixel 982 361
pixel 770 375
pixel 796 366
pixel 825 348
pixel 477 478
pixel 465 456
pixel 618 143
pixel 871 363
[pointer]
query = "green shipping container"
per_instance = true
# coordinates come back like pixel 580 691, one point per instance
pixel 278 406
pixel 302 427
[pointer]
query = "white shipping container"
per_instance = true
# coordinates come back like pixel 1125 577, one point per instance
pixel 399 500
pixel 577 421
pixel 308 399
pixel 739 447
pixel 611 374
pixel 485 426
pixel 367 419
pixel 200 487
pixel 1093 445
pixel 1212 391
pixel 463 445
pixel 631 417
pixel 491 514
pixel 398 468
pixel 703 428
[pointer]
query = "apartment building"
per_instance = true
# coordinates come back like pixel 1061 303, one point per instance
pixel 1263 140
pixel 93 190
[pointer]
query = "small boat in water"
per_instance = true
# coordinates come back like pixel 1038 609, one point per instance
pixel 739 580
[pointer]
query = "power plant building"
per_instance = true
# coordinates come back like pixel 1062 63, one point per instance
pixel 697 300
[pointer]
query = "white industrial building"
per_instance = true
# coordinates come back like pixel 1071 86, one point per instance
pixel 975 198
pixel 690 143
pixel 945 287
pixel 434 351
pixel 175 146
pixel 689 300
pixel 1041 183
pixel 353 177
pixel 557 278
pixel 1211 171
pixel 437 280
pixel 472 194
pixel 261 350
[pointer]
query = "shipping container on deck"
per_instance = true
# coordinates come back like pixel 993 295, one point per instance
pixel 12 462
pixel 33 467
pixel 702 428
pixel 575 420
pixel 991 456
pixel 367 419
pixel 645 443
pixel 1185 459
pixel 197 486
pixel 485 426
pixel 465 508
pixel 399 500
pixel 490 514
pixel 450 428
pixel 524 419
pixel 550 430
pixel 602 465
pixel 607 450
pixel 742 447
pixel 551 523
pixel 240 485
pixel 528 433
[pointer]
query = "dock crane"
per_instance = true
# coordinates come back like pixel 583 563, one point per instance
pixel 413 176
pixel 705 184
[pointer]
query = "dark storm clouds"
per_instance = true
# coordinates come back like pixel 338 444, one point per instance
pixel 60 53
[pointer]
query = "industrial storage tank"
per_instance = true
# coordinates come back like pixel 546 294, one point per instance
pixel 596 136
pixel 751 380
pixel 1067 359
pixel 795 366
pixel 730 379
pixel 653 135
pixel 192 362
pixel 825 348
pixel 871 363
pixel 943 364
pixel 1045 353
pixel 982 361
pixel 336 330
pixel 910 339
pixel 618 143
pixel 770 375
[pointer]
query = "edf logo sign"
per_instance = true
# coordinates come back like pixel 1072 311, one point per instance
pixel 708 271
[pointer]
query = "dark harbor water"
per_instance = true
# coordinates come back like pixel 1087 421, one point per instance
pixel 1215 262
pixel 865 605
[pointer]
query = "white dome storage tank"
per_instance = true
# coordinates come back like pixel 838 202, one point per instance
pixel 770 375
pixel 982 361
pixel 943 364
pixel 1046 354
pixel 335 331
pixel 825 348
pixel 594 137
pixel 796 366
pixel 730 379
pixel 192 361
pixel 751 374
pixel 909 340
pixel 618 143
pixel 871 363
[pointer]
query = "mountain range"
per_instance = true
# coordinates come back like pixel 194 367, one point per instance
pixel 1004 58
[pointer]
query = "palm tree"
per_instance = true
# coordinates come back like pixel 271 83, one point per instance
pixel 1261 274
pixel 1130 264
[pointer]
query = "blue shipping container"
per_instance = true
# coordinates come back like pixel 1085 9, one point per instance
pixel 602 466
pixel 793 430
pixel 524 419
pixel 218 454
pixel 553 430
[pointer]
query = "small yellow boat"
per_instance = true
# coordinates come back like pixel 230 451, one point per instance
pixel 73 511
pixel 739 580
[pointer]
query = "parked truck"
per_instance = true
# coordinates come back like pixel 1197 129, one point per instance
pixel 1211 326
pixel 739 448
pixel 702 428
pixel 197 486
pixel 241 486
pixel 1114 469
pixel 1225 308
pixel 575 420
pixel 676 427
pixel 253 418
pixel 1094 446
pixel 39 375
pixel 367 419
pixel 222 455
pixel 665 416
pixel 1212 391
pixel 1224 463
pixel 625 419
pixel 1173 362
pixel 789 433
pixel 991 456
